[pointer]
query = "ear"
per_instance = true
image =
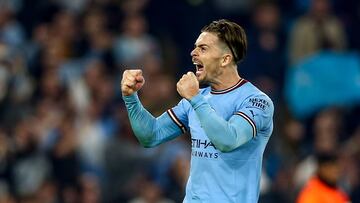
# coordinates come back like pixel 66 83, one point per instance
pixel 226 59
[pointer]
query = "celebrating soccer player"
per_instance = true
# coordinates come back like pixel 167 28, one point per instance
pixel 230 121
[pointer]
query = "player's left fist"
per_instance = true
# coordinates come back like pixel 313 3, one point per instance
pixel 188 86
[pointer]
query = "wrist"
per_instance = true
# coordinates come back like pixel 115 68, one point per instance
pixel 130 98
pixel 197 101
pixel 190 97
pixel 127 93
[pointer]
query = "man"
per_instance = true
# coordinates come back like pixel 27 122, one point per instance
pixel 318 29
pixel 230 121
pixel 323 186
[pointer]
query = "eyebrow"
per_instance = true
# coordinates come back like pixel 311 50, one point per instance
pixel 201 45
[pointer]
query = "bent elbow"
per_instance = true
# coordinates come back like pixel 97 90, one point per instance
pixel 145 139
pixel 148 144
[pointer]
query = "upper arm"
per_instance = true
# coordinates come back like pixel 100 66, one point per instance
pixel 258 111
pixel 168 126
pixel 179 115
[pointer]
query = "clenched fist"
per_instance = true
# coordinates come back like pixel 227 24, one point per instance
pixel 131 81
pixel 188 86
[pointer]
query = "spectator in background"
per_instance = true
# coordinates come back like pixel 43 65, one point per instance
pixel 350 161
pixel 15 85
pixel 94 22
pixel 90 189
pixel 5 169
pixel 265 62
pixel 286 147
pixel 282 155
pixel 11 32
pixel 31 167
pixel 349 13
pixel 281 187
pixel 47 193
pixel 125 162
pixel 327 130
pixel 130 7
pixel 171 168
pixel 323 186
pixel 94 124
pixel 97 40
pixel 64 158
pixel 65 20
pixel 318 29
pixel 150 192
pixel 134 43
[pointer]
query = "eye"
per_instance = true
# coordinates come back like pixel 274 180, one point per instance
pixel 202 49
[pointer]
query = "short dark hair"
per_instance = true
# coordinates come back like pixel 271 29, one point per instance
pixel 232 34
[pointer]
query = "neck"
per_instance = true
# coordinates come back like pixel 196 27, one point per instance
pixel 226 79
pixel 326 181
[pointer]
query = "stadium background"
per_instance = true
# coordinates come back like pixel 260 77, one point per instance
pixel 64 133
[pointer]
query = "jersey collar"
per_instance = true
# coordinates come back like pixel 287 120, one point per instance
pixel 238 84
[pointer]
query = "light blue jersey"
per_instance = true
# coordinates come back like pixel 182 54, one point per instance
pixel 229 131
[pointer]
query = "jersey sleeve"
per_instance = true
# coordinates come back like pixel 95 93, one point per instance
pixel 179 116
pixel 226 135
pixel 150 131
pixel 258 111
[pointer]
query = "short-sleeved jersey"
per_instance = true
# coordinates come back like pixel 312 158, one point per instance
pixel 233 176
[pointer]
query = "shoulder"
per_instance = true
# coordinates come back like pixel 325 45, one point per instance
pixel 253 95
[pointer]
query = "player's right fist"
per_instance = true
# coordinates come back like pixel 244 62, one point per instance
pixel 131 81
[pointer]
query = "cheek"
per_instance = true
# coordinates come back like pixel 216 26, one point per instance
pixel 210 68
pixel 210 64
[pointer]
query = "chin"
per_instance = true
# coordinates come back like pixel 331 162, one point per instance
pixel 199 78
pixel 202 81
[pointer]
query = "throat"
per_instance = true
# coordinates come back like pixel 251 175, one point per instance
pixel 326 181
pixel 224 84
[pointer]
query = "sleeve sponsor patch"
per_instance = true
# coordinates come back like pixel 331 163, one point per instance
pixel 259 103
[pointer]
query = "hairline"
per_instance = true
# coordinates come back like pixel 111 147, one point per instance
pixel 224 47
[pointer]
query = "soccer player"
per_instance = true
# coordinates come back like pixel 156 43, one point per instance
pixel 230 121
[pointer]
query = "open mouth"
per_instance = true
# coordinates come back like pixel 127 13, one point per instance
pixel 199 67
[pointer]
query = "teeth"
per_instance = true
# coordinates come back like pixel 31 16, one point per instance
pixel 198 65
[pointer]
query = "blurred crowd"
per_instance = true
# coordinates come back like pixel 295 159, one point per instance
pixel 64 132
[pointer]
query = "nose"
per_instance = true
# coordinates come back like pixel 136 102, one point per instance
pixel 193 52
